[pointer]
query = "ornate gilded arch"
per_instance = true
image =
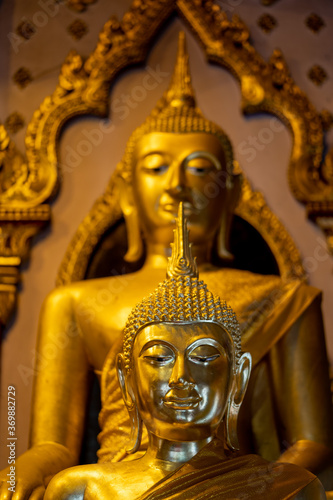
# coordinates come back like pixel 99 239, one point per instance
pixel 27 185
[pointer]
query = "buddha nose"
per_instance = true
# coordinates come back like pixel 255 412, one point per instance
pixel 176 180
pixel 180 376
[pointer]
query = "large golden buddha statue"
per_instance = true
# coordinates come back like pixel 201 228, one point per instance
pixel 181 372
pixel 178 155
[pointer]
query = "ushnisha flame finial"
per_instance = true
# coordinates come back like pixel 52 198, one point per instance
pixel 176 112
pixel 181 298
pixel 180 91
pixel 181 262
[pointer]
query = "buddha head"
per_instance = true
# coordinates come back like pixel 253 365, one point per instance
pixel 182 370
pixel 177 155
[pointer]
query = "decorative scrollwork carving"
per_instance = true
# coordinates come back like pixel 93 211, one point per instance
pixel 13 170
pixel 18 222
pixel 266 87
pixel 253 208
pixel 269 87
pixel 83 89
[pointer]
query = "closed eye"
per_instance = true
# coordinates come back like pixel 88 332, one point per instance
pixel 160 169
pixel 200 169
pixel 158 354
pixel 204 354
pixel 154 163
pixel 158 359
pixel 204 359
pixel 200 165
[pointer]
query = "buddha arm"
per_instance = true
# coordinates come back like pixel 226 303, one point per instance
pixel 61 378
pixel 299 373
pixel 59 399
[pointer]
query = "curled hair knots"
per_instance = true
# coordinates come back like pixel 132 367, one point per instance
pixel 181 299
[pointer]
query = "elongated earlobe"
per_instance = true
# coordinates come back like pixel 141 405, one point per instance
pixel 232 192
pixel 129 399
pixel 136 430
pixel 223 238
pixel 135 247
pixel 130 213
pixel 238 390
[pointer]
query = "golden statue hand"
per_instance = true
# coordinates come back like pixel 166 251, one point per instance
pixel 33 471
pixel 86 482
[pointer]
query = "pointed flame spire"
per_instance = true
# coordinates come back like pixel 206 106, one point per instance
pixel 180 91
pixel 181 262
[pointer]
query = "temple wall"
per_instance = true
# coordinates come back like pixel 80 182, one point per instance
pixel 87 166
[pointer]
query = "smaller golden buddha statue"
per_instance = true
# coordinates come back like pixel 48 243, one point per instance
pixel 181 373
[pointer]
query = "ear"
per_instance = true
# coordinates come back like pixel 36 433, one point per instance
pixel 242 377
pixel 240 383
pixel 128 396
pixel 125 383
pixel 130 213
pixel 232 193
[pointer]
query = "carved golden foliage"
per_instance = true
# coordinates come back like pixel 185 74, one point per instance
pixel 19 221
pixel 83 89
pixel 266 86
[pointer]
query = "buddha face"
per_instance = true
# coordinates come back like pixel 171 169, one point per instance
pixel 181 378
pixel 170 168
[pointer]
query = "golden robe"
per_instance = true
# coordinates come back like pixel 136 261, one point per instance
pixel 208 476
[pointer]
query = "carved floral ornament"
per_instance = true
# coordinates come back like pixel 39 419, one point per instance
pixel 83 89
pixel 77 29
pixel 267 22
pixel 315 23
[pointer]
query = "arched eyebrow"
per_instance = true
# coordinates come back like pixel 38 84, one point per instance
pixel 150 153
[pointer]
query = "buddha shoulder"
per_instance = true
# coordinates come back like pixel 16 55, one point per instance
pixel 118 481
pixel 104 291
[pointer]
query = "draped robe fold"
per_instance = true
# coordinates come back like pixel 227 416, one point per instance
pixel 209 475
